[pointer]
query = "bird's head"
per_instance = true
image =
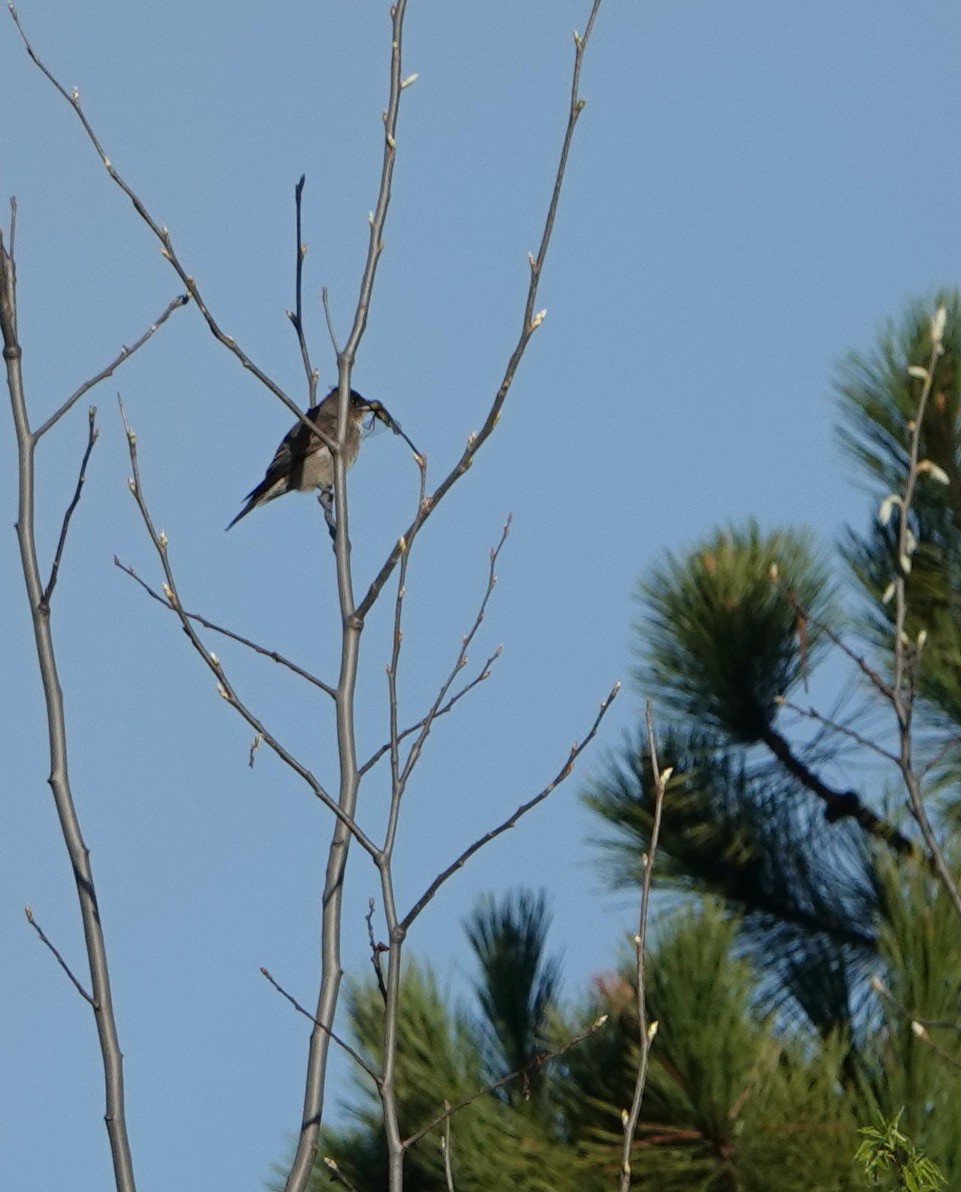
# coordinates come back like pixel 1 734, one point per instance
pixel 359 407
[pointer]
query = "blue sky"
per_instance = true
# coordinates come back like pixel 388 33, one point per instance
pixel 754 188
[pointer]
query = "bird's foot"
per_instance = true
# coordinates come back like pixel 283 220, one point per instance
pixel 326 499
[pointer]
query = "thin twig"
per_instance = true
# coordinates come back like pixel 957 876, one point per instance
pixel 376 949
pixel 919 1026
pixel 125 354
pixel 532 1066
pixel 330 323
pixel 847 804
pixel 480 677
pixel 391 988
pixel 264 651
pixel 938 757
pixel 341 1043
pixel 940 1024
pixel 445 1148
pixel 646 1031
pixel 255 743
pixel 873 677
pixel 902 683
pixel 919 1030
pixel 397 777
pixel 59 958
pixel 336 1175
pixel 811 713
pixel 92 434
pixel 531 321
pixel 397 780
pixel 461 660
pixel 296 316
pixel 576 750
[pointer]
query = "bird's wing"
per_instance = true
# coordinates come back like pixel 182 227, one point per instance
pixel 294 446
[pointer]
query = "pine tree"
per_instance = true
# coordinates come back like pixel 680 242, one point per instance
pixel 827 883
pixel 804 969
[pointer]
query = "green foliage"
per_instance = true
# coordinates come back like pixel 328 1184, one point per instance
pixel 517 985
pixel 719 643
pixel 817 904
pixel 913 1061
pixel 728 1103
pixel 804 891
pixel 504 1139
pixel 877 401
pixel 892 1160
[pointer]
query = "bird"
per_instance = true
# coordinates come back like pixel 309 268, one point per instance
pixel 303 461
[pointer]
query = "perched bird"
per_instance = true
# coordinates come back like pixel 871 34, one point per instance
pixel 304 461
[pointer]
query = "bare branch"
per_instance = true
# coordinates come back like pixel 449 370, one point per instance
pixel 161 233
pixel 482 674
pixel 833 637
pixel 125 354
pixel 847 804
pixel 342 1044
pixel 401 554
pixel 330 323
pixel 101 999
pixel 376 949
pixel 92 434
pixel 59 958
pixel 255 743
pixel 336 1175
pixel 225 689
pixel 378 218
pixel 564 773
pixel 939 755
pixel 838 805
pixel 905 665
pixel 531 322
pixel 352 621
pixel 445 1147
pixel 842 730
pixel 461 659
pixel 296 316
pixel 397 779
pixel 264 651
pixel 646 1031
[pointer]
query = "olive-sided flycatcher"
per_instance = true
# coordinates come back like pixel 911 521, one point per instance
pixel 303 461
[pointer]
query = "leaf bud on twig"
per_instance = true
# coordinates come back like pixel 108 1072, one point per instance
pixel 927 468
pixel 937 325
